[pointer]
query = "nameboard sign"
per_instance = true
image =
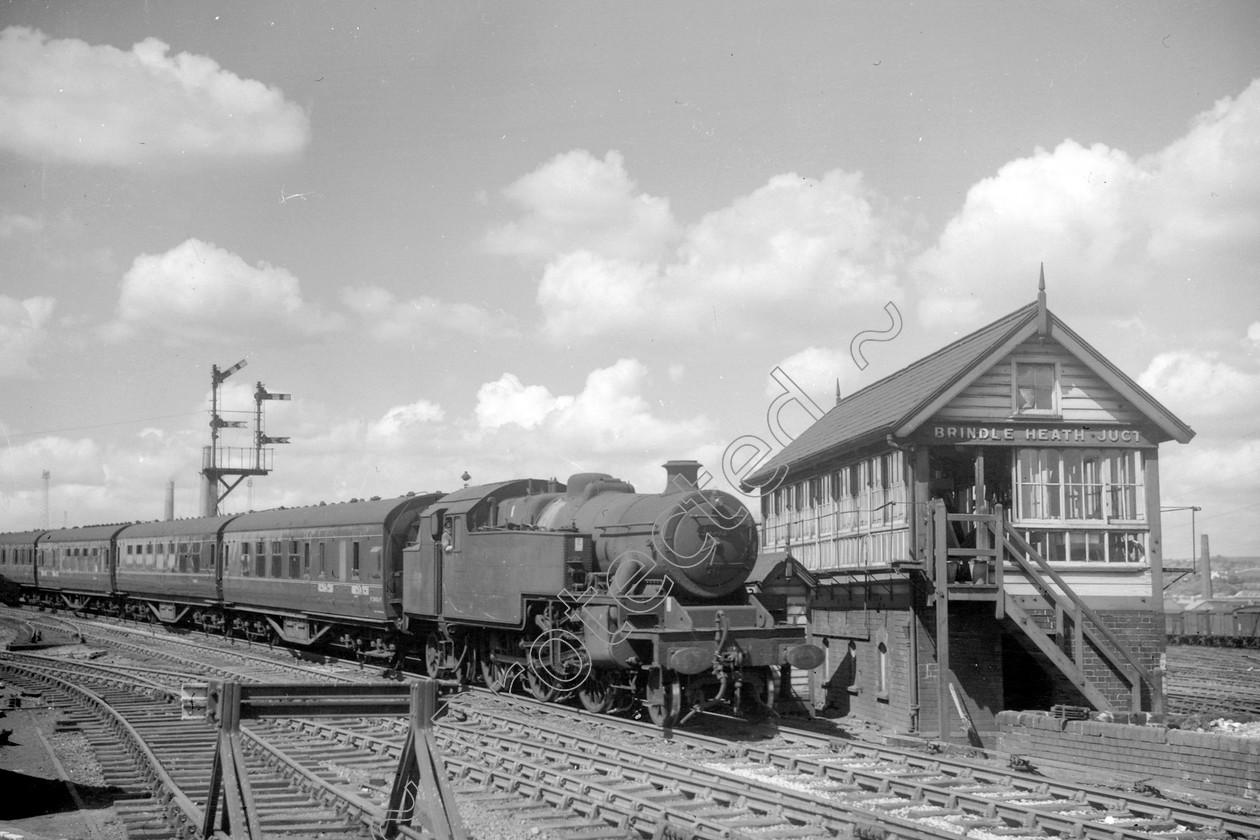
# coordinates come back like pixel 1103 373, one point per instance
pixel 1027 434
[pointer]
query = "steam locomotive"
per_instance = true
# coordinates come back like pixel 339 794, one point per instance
pixel 625 600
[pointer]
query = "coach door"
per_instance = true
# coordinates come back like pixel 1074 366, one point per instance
pixel 422 567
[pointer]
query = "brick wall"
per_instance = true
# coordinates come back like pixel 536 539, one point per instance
pixel 1142 631
pixel 860 647
pixel 1224 765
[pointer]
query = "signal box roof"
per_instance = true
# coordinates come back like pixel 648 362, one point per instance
pixel 900 403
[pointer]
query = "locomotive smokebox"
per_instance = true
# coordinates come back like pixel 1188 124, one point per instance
pixel 681 475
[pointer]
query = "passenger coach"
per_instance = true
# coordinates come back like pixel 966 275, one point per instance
pixel 75 569
pixel 17 563
pixel 169 571
pixel 322 572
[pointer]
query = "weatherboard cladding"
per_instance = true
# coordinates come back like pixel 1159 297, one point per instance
pixel 1085 397
pixel 878 409
pixel 903 401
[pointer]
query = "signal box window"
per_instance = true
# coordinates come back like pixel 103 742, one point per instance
pixel 1036 388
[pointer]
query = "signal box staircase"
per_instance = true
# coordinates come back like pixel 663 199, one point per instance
pixel 1000 556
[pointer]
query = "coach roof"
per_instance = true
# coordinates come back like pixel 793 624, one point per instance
pixel 369 512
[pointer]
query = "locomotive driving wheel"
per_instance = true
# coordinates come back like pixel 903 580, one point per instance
pixel 597 693
pixel 495 675
pixel 540 688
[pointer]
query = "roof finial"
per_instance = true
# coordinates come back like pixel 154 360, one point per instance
pixel 1043 314
pixel 837 390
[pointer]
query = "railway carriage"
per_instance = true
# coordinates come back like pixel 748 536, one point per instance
pixel 169 571
pixel 319 573
pixel 75 568
pixel 17 564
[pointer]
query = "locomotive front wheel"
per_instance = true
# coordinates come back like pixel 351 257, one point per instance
pixel 433 655
pixel 663 702
pixel 597 693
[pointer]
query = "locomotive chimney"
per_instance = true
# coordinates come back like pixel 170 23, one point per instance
pixel 681 475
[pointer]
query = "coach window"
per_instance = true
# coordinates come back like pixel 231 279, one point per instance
pixel 294 560
pixel 244 558
pixel 354 561
pixel 260 559
pixel 194 550
pixel 277 559
pixel 323 568
pixel 306 560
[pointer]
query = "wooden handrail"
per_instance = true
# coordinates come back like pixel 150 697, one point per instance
pixel 1016 544
pixel 1007 542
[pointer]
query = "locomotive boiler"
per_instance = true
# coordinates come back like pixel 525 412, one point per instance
pixel 593 589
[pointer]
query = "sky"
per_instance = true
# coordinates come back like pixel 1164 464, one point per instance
pixel 533 239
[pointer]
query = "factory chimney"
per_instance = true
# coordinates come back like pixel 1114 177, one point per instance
pixel 1206 571
pixel 168 513
pixel 47 520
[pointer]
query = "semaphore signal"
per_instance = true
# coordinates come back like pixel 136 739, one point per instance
pixel 224 468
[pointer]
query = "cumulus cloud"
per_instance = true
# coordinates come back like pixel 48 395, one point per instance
pixel 401 421
pixel 198 291
pixel 1115 224
pixel 66 100
pixel 826 242
pixel 508 400
pixel 1202 384
pixel 610 416
pixel 23 328
pixel 575 201
pixel 391 319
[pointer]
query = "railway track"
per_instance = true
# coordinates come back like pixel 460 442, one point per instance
pixel 1213 682
pixel 569 772
pixel 161 774
pixel 799 780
